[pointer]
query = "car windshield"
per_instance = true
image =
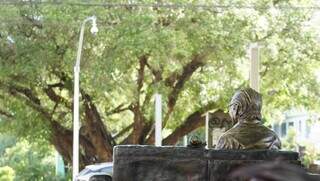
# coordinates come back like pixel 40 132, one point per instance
pixel 106 170
pixel 85 171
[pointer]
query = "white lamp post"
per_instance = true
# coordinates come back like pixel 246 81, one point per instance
pixel 208 131
pixel 158 120
pixel 254 67
pixel 76 122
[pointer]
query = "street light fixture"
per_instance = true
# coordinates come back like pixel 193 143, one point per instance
pixel 76 95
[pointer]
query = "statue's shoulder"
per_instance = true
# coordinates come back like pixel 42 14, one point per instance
pixel 228 134
pixel 270 131
pixel 228 141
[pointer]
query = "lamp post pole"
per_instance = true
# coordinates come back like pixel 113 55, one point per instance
pixel 158 120
pixel 254 67
pixel 76 95
pixel 208 131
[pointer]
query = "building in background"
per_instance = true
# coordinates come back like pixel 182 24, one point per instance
pixel 305 125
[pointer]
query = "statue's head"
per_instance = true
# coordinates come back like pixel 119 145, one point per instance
pixel 245 105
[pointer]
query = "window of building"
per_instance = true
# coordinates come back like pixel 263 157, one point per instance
pixel 300 126
pixel 291 124
pixel 276 128
pixel 283 129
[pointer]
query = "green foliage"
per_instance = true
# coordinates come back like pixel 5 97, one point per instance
pixel 6 141
pixel 44 48
pixel 311 154
pixel 289 142
pixel 6 173
pixel 308 151
pixel 28 162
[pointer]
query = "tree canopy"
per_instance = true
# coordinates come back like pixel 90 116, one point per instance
pixel 195 57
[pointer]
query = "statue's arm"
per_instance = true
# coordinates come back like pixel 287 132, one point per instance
pixel 228 143
pixel 276 144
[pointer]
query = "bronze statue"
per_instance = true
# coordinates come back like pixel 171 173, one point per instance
pixel 195 142
pixel 249 132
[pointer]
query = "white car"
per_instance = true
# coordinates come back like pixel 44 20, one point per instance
pixel 97 172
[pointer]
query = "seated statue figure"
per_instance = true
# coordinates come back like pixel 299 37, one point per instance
pixel 249 132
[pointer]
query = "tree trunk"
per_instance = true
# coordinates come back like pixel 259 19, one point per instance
pixel 62 139
pixel 96 132
pixel 219 119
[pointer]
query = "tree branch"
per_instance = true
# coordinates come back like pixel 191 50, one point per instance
pixel 146 99
pixel 123 131
pixel 118 109
pixel 24 91
pixel 142 62
pixel 61 136
pixel 156 73
pixel 177 82
pixel 55 97
pixel 32 20
pixel 93 117
pixel 137 136
pixel 59 84
pixel 62 140
pixel 6 113
pixel 218 119
pixel 188 70
pixel 64 78
pixel 29 97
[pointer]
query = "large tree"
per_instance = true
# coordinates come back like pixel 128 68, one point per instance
pixel 195 57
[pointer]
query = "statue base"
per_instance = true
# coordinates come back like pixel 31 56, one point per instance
pixel 168 163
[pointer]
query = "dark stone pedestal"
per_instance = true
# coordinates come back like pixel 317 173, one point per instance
pixel 149 163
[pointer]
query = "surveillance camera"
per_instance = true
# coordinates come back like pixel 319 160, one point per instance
pixel 94 29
